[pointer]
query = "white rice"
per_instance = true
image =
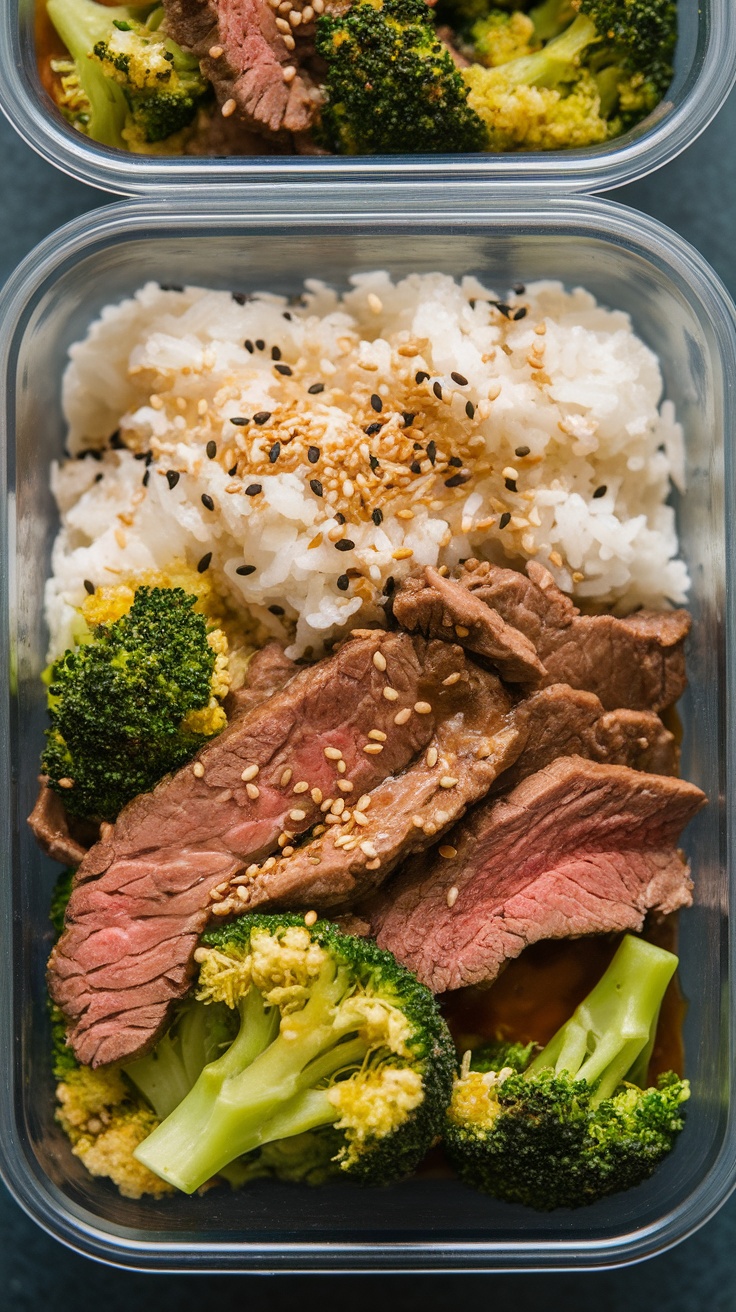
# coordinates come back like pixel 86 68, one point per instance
pixel 569 380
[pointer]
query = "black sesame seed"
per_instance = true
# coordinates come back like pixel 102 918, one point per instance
pixel 99 477
pixel 275 353
pixel 172 477
pixel 245 570
pixel 313 455
pixel 519 288
pixel 149 457
pixel 376 403
pixel 274 453
pixel 170 287
pixel 116 442
pixel 437 389
pixel 139 455
pixel 232 472
pixel 260 344
pixel 211 450
pixel 521 451
pixel 520 313
pixel 511 485
pixel 377 516
pixel 343 583
pixel 421 377
pixel 373 462
pixel 417 446
pixel 415 467
pixel 316 388
pixel 276 610
pixel 239 297
pixel 389 586
pixel 287 315
pixel 408 418
pixel 432 451
pixel 204 563
pixel 144 480
pixel 600 491
pixel 239 421
pixel 262 417
pixel 457 480
pixel 253 489
pixel 456 462
pixel 371 429
pixel 470 410
pixel 283 369
pixel 89 587
pixel 340 517
pixel 248 346
pixel 504 520
pixel 459 379
pixel 344 544
pixel 207 501
pixel 316 486
pixel 505 310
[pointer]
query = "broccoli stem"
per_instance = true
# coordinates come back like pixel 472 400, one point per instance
pixel 80 24
pixel 609 1031
pixel 557 62
pixel 551 17
pixel 260 1090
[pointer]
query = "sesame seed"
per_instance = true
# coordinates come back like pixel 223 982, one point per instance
pixel 373 865
pixel 198 770
pixel 448 852
pixel 422 708
pixel 402 716
pixel 377 734
pixel 283 369
pixel 402 553
pixel 333 753
pixel 316 487
pixel 373 749
pixel 204 564
pixel 215 895
pixel 374 302
pixel 313 455
pixel 316 388
pixel 437 389
pixel 504 520
pixel 301 787
pixel 470 409
pixel 432 755
pixel 343 582
pixel 242 894
pixel 457 480
pixel 253 791
pixel 172 477
pixel 310 918
pixel 325 806
pixel 520 313
pixel 215 52
pixel 521 451
pixel 253 489
pixel 263 416
pixel 359 818
pixel 370 430
pixel 376 403
pixel 233 471
pixel 338 806
pixel 447 781
pixel 245 570
pixel 229 108
pixel 288 73
pixel 211 450
pixel 89 587
pixel 248 346
pixel 260 344
pixel 391 694
pixel 417 821
pixel 344 544
pixel 510 485
pixel 368 848
pixel 363 802
pixel 316 795
pixel 461 631
pixel 600 491
pixel 274 453
pixel 249 773
pixel 239 421
pixel 207 501
pixel 432 451
pixel 286 777
pixel 144 480
pixel 379 660
pixel 345 785
pixel 421 376
pixel 341 767
pixel 296 814
pixel 377 517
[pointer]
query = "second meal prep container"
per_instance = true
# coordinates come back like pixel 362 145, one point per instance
pixel 272 240
pixel 705 69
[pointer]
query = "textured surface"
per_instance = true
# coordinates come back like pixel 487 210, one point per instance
pixel 697 196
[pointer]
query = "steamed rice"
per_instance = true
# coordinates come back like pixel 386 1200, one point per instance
pixel 537 432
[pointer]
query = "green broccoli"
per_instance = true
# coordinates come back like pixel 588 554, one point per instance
pixel 391 85
pixel 132 703
pixel 575 1123
pixel 128 85
pixel 334 1038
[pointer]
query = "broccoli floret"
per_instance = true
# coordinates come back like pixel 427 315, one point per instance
pixel 130 85
pixel 133 702
pixel 391 85
pixel 500 37
pixel 574 1124
pixel 334 1036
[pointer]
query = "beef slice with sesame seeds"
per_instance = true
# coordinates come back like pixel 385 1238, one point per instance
pixel 143 894
pixel 442 608
pixel 564 721
pixel 637 662
pixel 474 739
pixel 577 848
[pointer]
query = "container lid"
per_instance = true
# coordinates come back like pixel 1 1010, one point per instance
pixel 705 72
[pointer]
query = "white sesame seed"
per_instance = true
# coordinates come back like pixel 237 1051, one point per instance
pixel 509 472
pixel 307 13
pixel 289 42
pixel 368 847
pixel 223 908
pixel 249 773
pixel 301 787
pixel 364 802
pixel 391 694
pixel 200 955
pixel 197 770
pixel 402 553
pixel 242 893
pixel 253 791
pixel 282 24
pixel 286 778
pixel 297 815
pixel 448 852
pixel 432 755
pixel 288 73
pixel 334 753
pixel 215 895
pixel 287 851
pixel 326 804
pixel 338 806
pixel 372 749
pixel 341 767
pixel 310 918
pixel 451 679
pixel 229 108
pixel 332 819
pixel 253 869
pixel 452 895
pixel 377 734
pixel 422 708
pixel 401 717
pixel 379 660
pixel 417 821
pixel 318 829
pixel 269 863
pixel 316 796
pixel 215 52
pixel 359 818
pixel 374 302
pixel 295 18
pixel 373 865
pixel 345 785
pixel 447 781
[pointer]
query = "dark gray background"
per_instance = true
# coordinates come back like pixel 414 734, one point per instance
pixel 696 195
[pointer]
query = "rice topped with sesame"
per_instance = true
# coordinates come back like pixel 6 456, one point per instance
pixel 308 455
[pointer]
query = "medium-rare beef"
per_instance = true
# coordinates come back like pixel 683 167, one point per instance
pixel 564 721
pixel 578 848
pixel 245 56
pixel 637 662
pixel 142 896
pixel 440 608
pixel 474 739
pixel 62 837
pixel 268 670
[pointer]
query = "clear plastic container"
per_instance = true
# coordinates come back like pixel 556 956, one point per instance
pixel 705 71
pixel 683 312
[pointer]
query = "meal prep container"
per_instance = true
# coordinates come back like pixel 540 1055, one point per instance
pixel 682 311
pixel 705 71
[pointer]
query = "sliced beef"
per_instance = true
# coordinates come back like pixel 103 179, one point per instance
pixel 637 662
pixel 564 721
pixel 473 741
pixel 250 67
pixel 578 848
pixel 62 837
pixel 143 895
pixel 268 670
pixel 442 608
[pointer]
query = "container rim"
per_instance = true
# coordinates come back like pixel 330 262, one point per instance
pixel 631 157
pixel 270 209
